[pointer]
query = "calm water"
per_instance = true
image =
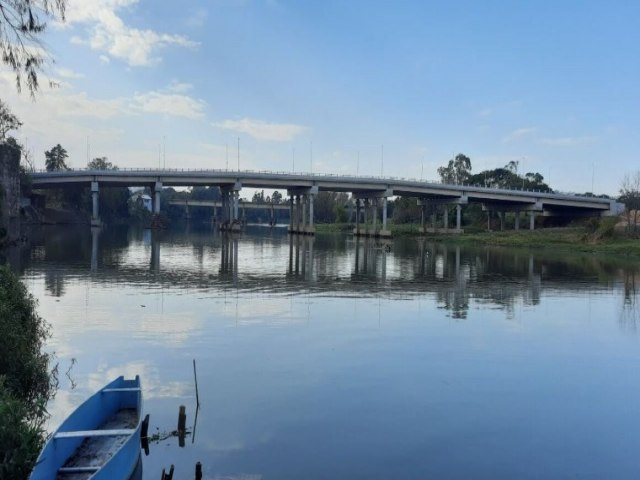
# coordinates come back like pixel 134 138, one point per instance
pixel 335 358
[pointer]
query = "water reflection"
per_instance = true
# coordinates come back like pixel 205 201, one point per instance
pixel 272 261
pixel 373 351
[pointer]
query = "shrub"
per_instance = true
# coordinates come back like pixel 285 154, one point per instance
pixel 26 384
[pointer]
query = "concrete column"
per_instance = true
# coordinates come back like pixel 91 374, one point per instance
pixel 236 203
pixel 384 213
pixel 311 210
pixel 517 224
pixel 366 207
pixel 446 216
pixel 157 190
pixel 290 212
pixel 298 212
pixel 458 217
pixel 95 232
pixel 501 217
pixel 374 208
pixel 423 215
pixel 94 200
pixel 305 199
pixel 488 220
pixel 532 221
pixel 433 218
pixel 357 215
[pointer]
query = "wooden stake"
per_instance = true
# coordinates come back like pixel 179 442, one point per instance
pixel 195 376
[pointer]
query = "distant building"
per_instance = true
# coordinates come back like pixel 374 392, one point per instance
pixel 143 199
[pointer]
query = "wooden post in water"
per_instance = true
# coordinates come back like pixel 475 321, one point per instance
pixel 195 377
pixel 167 476
pixel 182 425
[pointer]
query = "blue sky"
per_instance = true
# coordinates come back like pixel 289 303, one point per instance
pixel 553 85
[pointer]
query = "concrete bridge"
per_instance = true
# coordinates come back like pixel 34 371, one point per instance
pixel 244 205
pixel 370 193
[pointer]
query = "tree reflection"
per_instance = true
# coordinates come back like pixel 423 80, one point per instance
pixel 457 277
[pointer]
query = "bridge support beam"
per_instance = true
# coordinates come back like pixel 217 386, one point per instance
pixel 95 212
pixel 532 220
pixel 516 225
pixel 458 217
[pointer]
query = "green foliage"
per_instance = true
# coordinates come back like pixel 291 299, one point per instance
pixel 22 436
pixel 340 214
pixel 406 210
pixel 8 121
pixel 326 204
pixel 55 159
pixel 101 163
pixel 457 171
pixel 25 381
pixel 507 177
pixel 23 22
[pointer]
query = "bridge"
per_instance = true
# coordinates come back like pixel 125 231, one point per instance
pixel 243 205
pixel 370 194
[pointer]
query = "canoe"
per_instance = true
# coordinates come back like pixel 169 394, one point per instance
pixel 99 440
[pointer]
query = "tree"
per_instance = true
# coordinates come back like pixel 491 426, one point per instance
pixel 101 163
pixel 457 171
pixel 22 22
pixel 630 196
pixel 55 159
pixel 258 197
pixel 8 121
pixel 276 197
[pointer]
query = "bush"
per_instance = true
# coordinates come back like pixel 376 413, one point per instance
pixel 26 384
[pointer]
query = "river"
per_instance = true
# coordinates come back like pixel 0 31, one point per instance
pixel 332 357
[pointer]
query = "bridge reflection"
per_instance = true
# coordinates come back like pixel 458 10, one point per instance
pixel 268 261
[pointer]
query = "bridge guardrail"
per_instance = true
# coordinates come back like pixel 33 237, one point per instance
pixel 416 181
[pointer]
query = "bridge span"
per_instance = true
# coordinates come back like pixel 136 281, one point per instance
pixel 370 194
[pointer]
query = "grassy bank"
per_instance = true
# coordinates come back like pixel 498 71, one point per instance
pixel 568 239
pixel 599 238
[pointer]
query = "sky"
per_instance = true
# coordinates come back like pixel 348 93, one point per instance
pixel 356 87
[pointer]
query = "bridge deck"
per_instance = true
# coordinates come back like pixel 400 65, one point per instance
pixel 358 185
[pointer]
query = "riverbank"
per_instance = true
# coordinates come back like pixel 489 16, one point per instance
pixel 576 239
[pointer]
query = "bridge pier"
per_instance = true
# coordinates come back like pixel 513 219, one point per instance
pixel 425 202
pixel 371 202
pixel 516 225
pixel 157 190
pixel 95 217
pixel 532 220
pixel 301 211
pixel 230 207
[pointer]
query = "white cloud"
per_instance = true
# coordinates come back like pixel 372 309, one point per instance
pixel 179 87
pixel 261 130
pixel 169 103
pixel 68 73
pixel 568 141
pixel 518 134
pixel 109 34
pixel 196 17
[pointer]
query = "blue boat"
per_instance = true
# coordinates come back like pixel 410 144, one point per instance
pixel 99 440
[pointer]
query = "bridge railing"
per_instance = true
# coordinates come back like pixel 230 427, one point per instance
pixel 160 171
